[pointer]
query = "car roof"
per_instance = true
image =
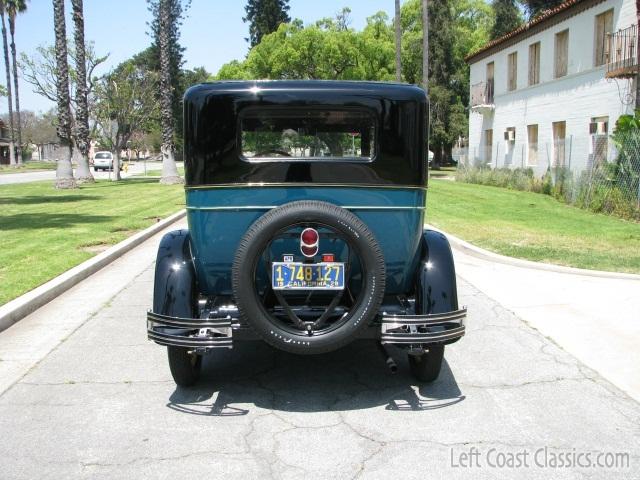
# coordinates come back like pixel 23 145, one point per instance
pixel 392 90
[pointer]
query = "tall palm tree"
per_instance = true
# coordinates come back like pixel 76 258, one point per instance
pixel 398 43
pixel 169 169
pixel 7 67
pixel 64 172
pixel 83 173
pixel 13 8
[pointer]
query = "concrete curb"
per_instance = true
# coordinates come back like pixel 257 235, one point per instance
pixel 468 248
pixel 22 306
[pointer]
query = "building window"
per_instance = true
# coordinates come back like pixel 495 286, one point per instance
pixel 532 142
pixel 559 143
pixel 512 80
pixel 534 63
pixel 599 132
pixel 562 54
pixel 604 26
pixel 490 82
pixel 488 146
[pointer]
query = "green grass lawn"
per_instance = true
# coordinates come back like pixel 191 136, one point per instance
pixel 533 226
pixel 46 231
pixel 28 167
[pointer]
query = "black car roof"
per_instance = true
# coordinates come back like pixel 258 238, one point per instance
pixel 391 90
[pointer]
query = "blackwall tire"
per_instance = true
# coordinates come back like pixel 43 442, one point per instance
pixel 185 368
pixel 426 367
pixel 258 236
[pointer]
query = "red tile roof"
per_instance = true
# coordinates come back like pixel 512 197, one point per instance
pixel 525 27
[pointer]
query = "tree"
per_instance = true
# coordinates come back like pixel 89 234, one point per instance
pixel 7 68
pixel 37 129
pixel 83 173
pixel 508 17
pixel 151 57
pixel 165 19
pixel 64 172
pixel 126 106
pixel 398 40
pixel 264 17
pixel 536 7
pixel 321 51
pixel 425 45
pixel 13 8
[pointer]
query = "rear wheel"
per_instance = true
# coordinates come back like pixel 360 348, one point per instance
pixel 426 367
pixel 185 367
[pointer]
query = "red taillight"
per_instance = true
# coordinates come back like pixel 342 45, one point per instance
pixel 328 257
pixel 309 240
pixel 309 236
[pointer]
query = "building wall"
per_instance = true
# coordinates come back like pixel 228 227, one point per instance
pixel 584 93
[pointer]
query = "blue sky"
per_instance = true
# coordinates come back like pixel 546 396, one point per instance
pixel 213 33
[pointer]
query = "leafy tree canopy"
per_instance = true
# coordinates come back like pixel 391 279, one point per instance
pixel 536 7
pixel 508 17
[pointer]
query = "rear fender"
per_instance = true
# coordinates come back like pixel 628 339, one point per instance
pixel 175 291
pixel 436 290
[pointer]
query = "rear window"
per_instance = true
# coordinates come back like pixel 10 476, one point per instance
pixel 269 135
pixel 103 156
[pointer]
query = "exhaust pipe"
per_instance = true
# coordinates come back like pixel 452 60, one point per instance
pixel 388 359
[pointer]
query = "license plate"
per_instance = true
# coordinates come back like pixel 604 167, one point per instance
pixel 307 276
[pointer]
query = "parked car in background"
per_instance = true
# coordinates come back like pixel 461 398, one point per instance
pixel 103 161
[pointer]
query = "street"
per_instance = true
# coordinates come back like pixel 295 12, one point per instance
pixel 85 395
pixel 136 169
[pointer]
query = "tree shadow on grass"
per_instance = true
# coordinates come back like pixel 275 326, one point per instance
pixel 38 199
pixel 27 221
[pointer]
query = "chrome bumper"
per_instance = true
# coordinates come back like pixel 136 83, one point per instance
pixel 191 333
pixel 439 328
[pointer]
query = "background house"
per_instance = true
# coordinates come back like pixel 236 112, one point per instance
pixel 549 93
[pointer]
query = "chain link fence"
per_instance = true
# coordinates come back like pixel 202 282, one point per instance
pixel 597 172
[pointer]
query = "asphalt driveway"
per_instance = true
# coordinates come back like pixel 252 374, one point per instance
pixel 101 404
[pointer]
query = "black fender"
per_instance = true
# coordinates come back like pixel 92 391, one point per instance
pixel 436 289
pixel 175 291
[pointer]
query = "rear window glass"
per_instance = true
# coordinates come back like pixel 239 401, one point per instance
pixel 307 135
pixel 103 155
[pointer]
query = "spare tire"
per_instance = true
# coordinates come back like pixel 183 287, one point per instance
pixel 363 308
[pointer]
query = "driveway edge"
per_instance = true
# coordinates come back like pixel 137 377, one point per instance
pixel 22 306
pixel 470 249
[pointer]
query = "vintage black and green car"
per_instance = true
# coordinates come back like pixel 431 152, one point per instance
pixel 306 210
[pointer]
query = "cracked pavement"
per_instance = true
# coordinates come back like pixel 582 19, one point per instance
pixel 102 404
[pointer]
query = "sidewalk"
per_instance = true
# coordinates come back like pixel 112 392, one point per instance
pixel 27 342
pixel 595 319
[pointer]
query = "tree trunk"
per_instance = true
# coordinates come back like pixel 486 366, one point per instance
pixel 64 172
pixel 12 31
pixel 83 173
pixel 425 65
pixel 7 67
pixel 398 43
pixel 169 169
pixel 425 45
pixel 116 166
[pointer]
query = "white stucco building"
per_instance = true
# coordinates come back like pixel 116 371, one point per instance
pixel 549 93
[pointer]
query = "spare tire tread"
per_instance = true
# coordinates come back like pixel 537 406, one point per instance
pixel 289 214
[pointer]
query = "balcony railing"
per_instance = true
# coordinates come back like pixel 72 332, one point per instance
pixel 482 95
pixel 621 54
